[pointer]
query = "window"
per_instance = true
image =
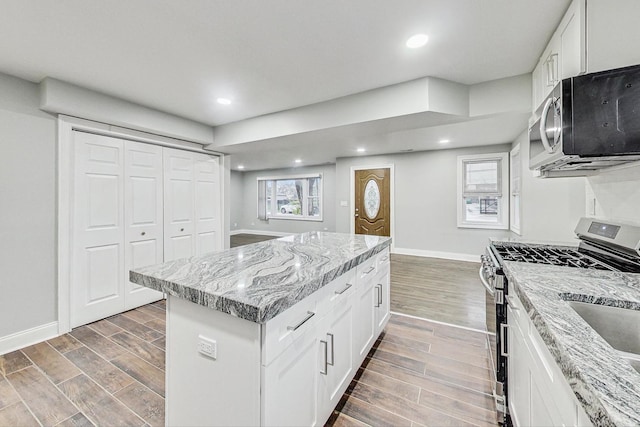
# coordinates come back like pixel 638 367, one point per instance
pixel 482 191
pixel 516 183
pixel 295 197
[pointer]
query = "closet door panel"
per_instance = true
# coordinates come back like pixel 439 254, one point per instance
pixel 143 216
pixel 97 287
pixel 207 212
pixel 179 204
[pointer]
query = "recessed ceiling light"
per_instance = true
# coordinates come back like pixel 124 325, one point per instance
pixel 298 160
pixel 361 150
pixel 417 41
pixel 444 141
pixel 223 101
pixel 240 167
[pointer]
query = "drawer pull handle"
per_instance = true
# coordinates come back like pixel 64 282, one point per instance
pixel 344 290
pixel 310 314
pixel 379 299
pixel 503 337
pixel 331 338
pixel 326 360
pixel 385 258
pixel 511 303
pixel 369 270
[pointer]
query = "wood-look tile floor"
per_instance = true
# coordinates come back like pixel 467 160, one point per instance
pixel 107 373
pixel 419 372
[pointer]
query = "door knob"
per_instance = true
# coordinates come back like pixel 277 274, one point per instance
pixel 143 233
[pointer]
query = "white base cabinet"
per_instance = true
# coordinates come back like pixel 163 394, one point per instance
pixel 300 363
pixel 539 394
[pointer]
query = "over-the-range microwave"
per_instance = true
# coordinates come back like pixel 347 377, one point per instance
pixel 587 123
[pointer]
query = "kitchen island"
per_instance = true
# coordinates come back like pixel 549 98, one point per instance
pixel 270 333
pixel 606 387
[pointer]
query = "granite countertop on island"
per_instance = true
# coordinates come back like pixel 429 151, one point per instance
pixel 606 385
pixel 259 281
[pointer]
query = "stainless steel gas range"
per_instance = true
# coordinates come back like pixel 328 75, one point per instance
pixel 603 245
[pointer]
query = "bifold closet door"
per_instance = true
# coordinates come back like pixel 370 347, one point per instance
pixel 179 199
pixel 143 191
pixel 98 287
pixel 191 204
pixel 207 203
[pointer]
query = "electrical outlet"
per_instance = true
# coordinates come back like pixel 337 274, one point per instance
pixel 207 347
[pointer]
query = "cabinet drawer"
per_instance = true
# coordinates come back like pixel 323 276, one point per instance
pixel 366 271
pixel 281 331
pixel 336 292
pixel 383 259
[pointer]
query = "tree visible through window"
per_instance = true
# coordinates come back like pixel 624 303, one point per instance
pixel 291 197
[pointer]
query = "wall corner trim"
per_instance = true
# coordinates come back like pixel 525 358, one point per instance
pixel 28 337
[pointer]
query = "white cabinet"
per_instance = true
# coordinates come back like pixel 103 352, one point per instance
pixel 291 397
pixel 564 55
pixel 539 394
pixel 134 204
pixel 293 369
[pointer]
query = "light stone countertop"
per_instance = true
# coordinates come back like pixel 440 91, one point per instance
pixel 259 281
pixel 606 385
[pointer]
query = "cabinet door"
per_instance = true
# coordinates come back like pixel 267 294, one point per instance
pixel 337 333
pixel 518 374
pixel 143 217
pixel 207 204
pixel 290 383
pixel 571 33
pixel 97 289
pixel 179 204
pixel 365 324
pixel 382 295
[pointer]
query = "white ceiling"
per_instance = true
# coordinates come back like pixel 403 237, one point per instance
pixel 267 55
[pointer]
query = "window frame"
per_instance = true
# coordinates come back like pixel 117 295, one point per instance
pixel 515 193
pixel 304 202
pixel 502 195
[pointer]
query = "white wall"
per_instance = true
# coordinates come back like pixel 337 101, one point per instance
pixel 236 201
pixel 551 207
pixel 246 217
pixel 616 193
pixel 425 202
pixel 28 294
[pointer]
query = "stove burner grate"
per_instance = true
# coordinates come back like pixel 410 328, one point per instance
pixel 565 257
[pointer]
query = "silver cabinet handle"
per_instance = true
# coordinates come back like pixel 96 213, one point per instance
pixel 310 314
pixel 332 354
pixel 511 303
pixel 503 350
pixel 344 290
pixel 379 299
pixel 369 270
pixel 326 360
pixel 385 258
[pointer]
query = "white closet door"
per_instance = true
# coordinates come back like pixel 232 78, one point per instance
pixel 179 227
pixel 98 221
pixel 207 206
pixel 143 217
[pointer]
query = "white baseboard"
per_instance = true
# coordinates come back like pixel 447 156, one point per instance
pixel 260 232
pixel 29 337
pixel 437 254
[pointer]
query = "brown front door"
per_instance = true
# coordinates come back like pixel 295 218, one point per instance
pixel 373 202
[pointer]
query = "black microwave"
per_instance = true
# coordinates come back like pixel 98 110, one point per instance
pixel 587 123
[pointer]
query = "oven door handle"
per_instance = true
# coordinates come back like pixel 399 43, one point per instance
pixel 484 282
